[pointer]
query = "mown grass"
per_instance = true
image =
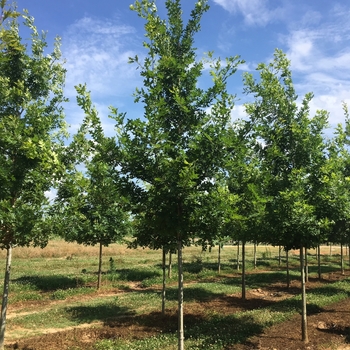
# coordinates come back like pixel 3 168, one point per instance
pixel 71 274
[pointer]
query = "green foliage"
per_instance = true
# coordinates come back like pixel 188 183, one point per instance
pixel 173 155
pixel 89 208
pixel 31 130
pixel 292 153
pixel 333 200
pixel 245 183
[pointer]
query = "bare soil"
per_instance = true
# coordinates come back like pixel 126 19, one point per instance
pixel 328 329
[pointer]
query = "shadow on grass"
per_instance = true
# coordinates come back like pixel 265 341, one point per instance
pixel 259 279
pixel 324 268
pixel 50 283
pixel 329 290
pixel 136 275
pixel 295 304
pixel 197 267
pixel 223 330
pixel 87 313
pixel 192 294
pixel 233 302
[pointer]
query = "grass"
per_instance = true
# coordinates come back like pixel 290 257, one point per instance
pixel 131 284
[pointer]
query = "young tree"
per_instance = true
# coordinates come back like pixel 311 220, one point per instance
pixel 31 130
pixel 333 201
pixel 177 148
pixel 90 208
pixel 245 181
pixel 292 152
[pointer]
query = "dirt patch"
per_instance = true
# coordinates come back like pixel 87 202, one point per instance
pixel 329 329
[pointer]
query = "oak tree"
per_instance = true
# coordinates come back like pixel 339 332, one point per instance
pixel 177 148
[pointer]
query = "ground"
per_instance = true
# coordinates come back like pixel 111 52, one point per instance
pixel 329 328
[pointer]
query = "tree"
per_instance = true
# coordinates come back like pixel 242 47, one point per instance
pixel 31 131
pixel 245 181
pixel 177 148
pixel 90 206
pixel 292 152
pixel 332 198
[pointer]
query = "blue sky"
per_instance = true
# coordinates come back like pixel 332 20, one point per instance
pixel 99 36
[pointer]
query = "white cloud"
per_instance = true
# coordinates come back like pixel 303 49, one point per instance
pixel 301 47
pixel 97 53
pixel 255 12
pixel 320 58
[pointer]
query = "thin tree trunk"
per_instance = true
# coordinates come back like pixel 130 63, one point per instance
pixel 243 271
pixel 170 265
pixel 254 253
pixel 99 267
pixel 5 296
pixel 219 259
pixel 349 256
pixel 164 280
pixel 306 268
pixel 238 256
pixel 287 266
pixel 279 255
pixel 319 262
pixel 341 259
pixel 330 249
pixel 180 297
pixel 304 334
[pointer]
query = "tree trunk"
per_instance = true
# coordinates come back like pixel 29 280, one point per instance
pixel 306 268
pixel 330 249
pixel 341 259
pixel 5 297
pixel 319 262
pixel 349 256
pixel 243 270
pixel 219 259
pixel 287 266
pixel 180 297
pixel 164 280
pixel 169 266
pixel 254 253
pixel 99 267
pixel 304 334
pixel 238 256
pixel 279 255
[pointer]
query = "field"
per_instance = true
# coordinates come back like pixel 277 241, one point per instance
pixel 54 303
